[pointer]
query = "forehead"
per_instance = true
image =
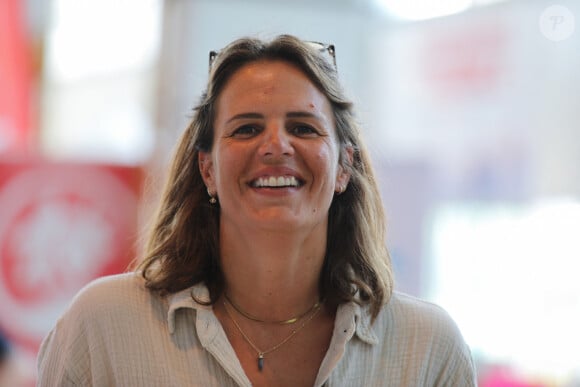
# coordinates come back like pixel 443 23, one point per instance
pixel 269 81
pixel 267 73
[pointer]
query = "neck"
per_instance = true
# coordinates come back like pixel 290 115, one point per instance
pixel 273 274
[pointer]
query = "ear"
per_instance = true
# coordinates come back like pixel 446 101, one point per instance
pixel 206 170
pixel 343 175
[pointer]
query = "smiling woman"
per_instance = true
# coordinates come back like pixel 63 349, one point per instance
pixel 271 125
pixel 267 262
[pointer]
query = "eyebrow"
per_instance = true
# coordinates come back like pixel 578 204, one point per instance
pixel 242 116
pixel 296 114
pixel 300 114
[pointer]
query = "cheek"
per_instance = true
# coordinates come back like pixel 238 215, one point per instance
pixel 228 165
pixel 326 162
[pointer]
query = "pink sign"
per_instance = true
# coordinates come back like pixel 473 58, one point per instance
pixel 16 76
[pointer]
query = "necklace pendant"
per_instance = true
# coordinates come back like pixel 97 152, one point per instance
pixel 260 362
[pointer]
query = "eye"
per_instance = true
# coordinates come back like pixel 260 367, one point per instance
pixel 245 131
pixel 303 130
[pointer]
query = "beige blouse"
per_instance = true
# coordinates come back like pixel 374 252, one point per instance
pixel 118 333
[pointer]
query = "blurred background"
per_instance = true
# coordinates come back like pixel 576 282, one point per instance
pixel 471 110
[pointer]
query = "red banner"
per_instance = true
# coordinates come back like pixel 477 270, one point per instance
pixel 15 78
pixel 61 225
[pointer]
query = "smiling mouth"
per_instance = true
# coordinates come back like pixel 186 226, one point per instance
pixel 276 182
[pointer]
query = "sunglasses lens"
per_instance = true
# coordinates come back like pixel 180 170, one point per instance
pixel 327 51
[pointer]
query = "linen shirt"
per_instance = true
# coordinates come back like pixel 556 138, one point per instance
pixel 116 332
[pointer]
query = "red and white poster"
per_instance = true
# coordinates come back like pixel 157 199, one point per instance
pixel 61 225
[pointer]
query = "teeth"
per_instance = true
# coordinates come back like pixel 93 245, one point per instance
pixel 280 181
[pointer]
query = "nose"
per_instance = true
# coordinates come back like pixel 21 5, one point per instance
pixel 276 141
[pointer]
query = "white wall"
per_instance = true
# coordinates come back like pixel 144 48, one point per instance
pixel 193 28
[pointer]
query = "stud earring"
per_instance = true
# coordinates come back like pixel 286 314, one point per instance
pixel 212 199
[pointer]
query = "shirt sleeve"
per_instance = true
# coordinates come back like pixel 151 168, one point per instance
pixel 59 352
pixel 456 367
pixel 459 369
pixel 69 353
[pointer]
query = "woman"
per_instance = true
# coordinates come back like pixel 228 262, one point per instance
pixel 267 263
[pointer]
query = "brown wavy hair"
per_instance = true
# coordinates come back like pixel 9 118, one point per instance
pixel 183 246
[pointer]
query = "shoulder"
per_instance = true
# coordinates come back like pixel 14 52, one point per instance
pixel 420 321
pixel 113 299
pixel 120 290
pixel 415 313
pixel 112 287
pixel 103 313
pixel 426 335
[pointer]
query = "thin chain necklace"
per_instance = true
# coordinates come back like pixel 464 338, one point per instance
pixel 291 320
pixel 262 354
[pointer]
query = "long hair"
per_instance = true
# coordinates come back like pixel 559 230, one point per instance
pixel 183 246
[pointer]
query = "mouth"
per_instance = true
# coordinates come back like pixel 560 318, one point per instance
pixel 276 182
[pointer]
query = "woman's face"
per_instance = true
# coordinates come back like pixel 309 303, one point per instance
pixel 274 162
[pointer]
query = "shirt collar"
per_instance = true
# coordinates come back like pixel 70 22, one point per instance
pixel 351 314
pixel 185 299
pixel 357 320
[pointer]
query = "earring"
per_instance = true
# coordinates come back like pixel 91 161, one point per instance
pixel 212 199
pixel 340 189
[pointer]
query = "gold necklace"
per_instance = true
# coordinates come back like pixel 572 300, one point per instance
pixel 291 320
pixel 262 354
